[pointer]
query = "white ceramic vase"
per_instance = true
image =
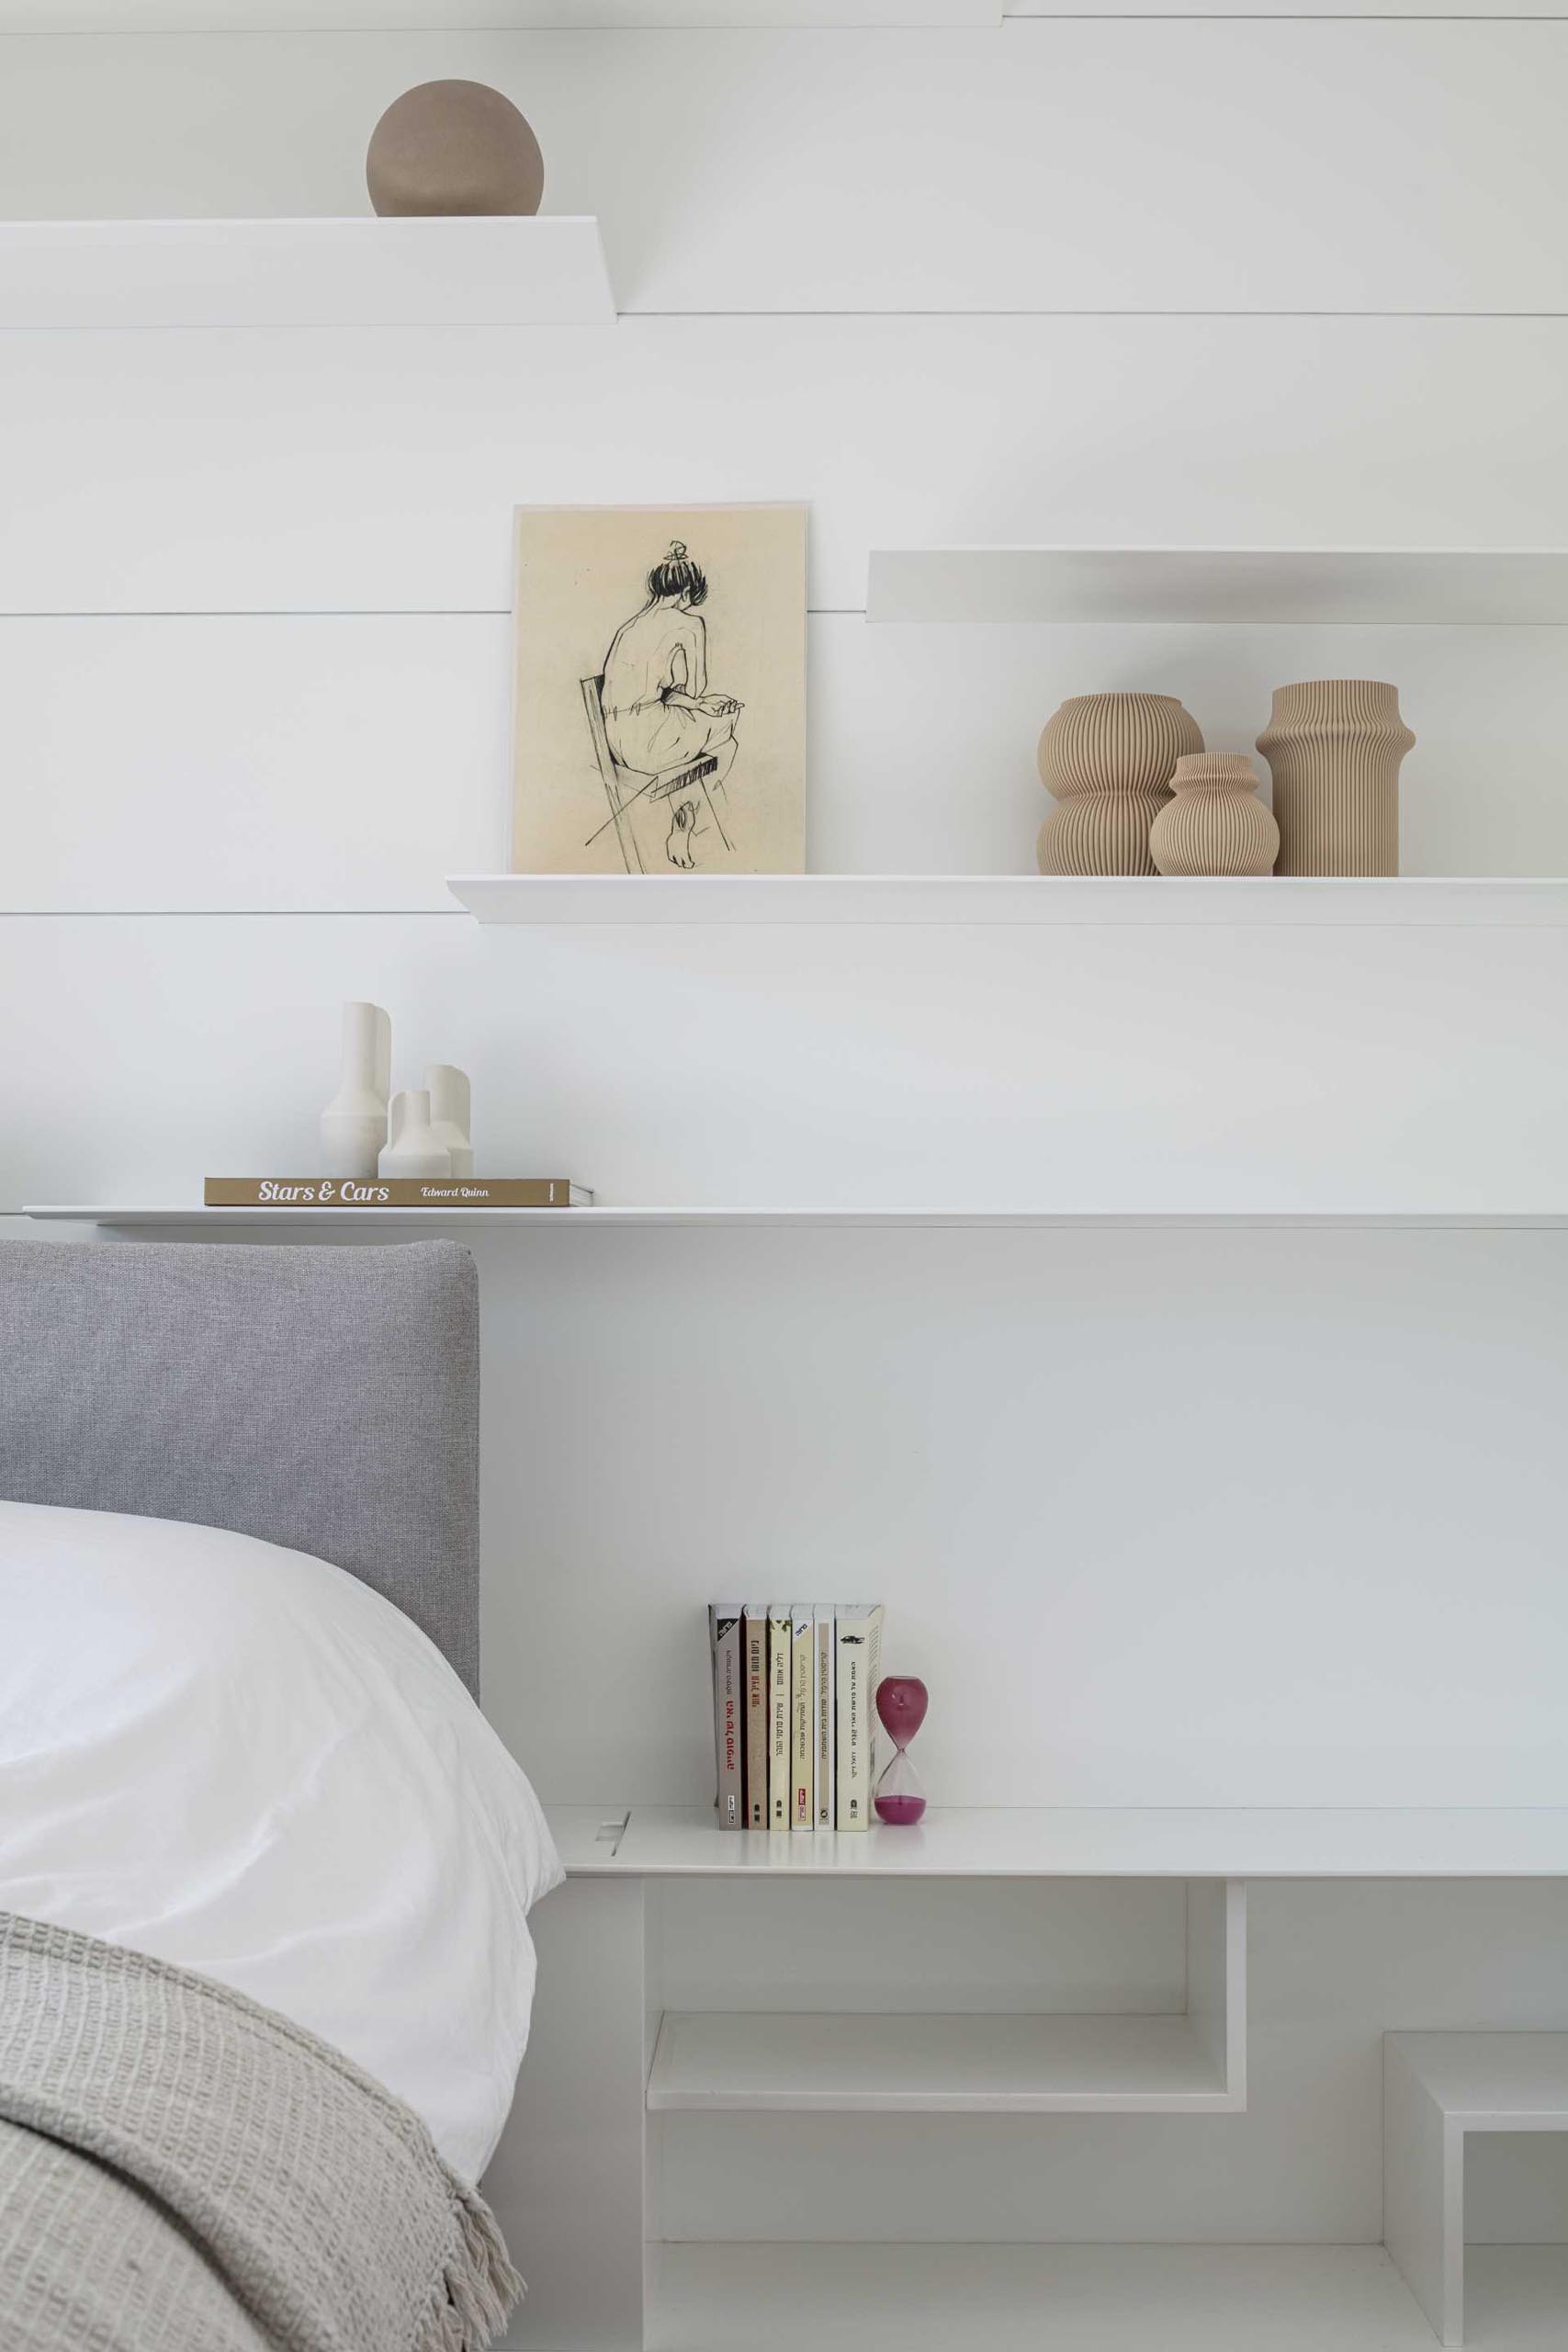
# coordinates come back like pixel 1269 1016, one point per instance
pixel 449 1113
pixel 412 1146
pixel 353 1124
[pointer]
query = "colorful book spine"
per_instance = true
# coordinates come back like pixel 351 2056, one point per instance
pixel 803 1717
pixel 754 1628
pixel 823 1630
pixel 780 1664
pixel 724 1639
pixel 858 1643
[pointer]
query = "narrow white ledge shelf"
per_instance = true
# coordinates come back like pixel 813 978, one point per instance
pixel 600 1219
pixel 1447 587
pixel 1221 1842
pixel 476 16
pixel 1008 898
pixel 904 2065
pixel 1083 2298
pixel 367 1221
pixel 303 273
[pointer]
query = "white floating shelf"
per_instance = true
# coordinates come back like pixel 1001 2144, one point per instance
pixel 303 273
pixel 894 2064
pixel 915 2298
pixel 474 16
pixel 373 1221
pixel 368 1221
pixel 1006 898
pixel 1359 586
pixel 1114 1842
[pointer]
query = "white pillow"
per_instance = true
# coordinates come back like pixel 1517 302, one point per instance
pixel 245 1761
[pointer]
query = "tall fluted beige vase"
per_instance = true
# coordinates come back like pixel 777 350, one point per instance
pixel 1216 822
pixel 1108 759
pixel 1334 746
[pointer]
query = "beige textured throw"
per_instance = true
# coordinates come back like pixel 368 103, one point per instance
pixel 182 2170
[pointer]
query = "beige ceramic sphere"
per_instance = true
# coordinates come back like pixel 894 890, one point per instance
pixel 454 147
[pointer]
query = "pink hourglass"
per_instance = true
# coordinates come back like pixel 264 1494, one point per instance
pixel 901 1703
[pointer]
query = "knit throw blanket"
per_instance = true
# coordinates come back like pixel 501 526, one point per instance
pixel 182 2170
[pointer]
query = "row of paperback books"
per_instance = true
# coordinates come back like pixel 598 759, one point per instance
pixel 795 1722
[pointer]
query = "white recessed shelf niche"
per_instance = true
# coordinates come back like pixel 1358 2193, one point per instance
pixel 734 2062
pixel 304 273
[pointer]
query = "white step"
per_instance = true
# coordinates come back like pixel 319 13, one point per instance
pixel 1437 2089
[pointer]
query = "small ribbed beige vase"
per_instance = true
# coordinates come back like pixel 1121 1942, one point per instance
pixel 1108 759
pixel 1215 823
pixel 1334 746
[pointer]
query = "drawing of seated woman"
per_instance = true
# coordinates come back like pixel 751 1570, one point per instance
pixel 660 716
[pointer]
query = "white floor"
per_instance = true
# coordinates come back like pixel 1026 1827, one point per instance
pixel 1086 2299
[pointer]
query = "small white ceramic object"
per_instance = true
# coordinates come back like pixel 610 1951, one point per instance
pixel 353 1124
pixel 449 1114
pixel 412 1146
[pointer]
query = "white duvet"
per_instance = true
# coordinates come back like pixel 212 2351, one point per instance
pixel 242 1760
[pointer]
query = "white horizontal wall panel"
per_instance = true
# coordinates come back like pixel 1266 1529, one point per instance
pixel 1063 164
pixel 925 738
pixel 378 470
pixel 262 762
pixel 1148 1070
pixel 151 1055
pixel 341 761
pixel 1123 1495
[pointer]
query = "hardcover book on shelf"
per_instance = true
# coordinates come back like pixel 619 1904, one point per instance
pixel 394 1193
pixel 858 1665
pixel 779 1663
pixel 724 1638
pixel 825 1726
pixel 754 1631
pixel 803 1717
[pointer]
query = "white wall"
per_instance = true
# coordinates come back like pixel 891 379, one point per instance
pixel 1269 1517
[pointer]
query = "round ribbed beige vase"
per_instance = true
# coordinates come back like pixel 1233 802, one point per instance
pixel 1108 759
pixel 1334 746
pixel 1214 823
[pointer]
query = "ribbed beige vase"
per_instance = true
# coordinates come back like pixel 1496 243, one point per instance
pixel 1216 822
pixel 1334 746
pixel 1108 759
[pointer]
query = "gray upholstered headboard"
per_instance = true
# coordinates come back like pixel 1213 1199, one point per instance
pixel 327 1399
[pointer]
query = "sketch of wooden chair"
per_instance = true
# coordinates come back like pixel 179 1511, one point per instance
pixel 625 789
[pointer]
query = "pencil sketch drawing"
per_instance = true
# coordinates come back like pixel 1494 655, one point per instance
pixel 677 747
pixel 659 734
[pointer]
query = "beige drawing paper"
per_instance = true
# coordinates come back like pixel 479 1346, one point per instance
pixel 660 690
